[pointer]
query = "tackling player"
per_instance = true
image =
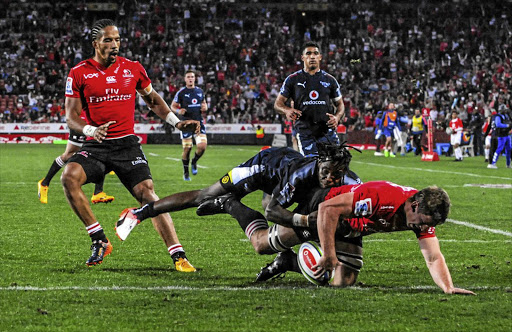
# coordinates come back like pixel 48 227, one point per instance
pixel 283 173
pixel 189 102
pixel 105 87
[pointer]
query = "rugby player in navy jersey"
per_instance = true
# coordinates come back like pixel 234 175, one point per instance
pixel 189 102
pixel 283 173
pixel 313 92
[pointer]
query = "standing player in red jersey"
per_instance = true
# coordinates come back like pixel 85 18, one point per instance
pixel 382 206
pixel 456 128
pixel 105 87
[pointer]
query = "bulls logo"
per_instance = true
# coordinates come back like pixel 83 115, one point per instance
pixel 313 95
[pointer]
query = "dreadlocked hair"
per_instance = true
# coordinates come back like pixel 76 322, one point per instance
pixel 100 25
pixel 435 202
pixel 337 153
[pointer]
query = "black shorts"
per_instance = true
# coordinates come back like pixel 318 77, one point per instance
pixel 124 156
pixel 76 138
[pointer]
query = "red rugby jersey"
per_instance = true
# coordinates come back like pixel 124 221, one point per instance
pixel 108 94
pixel 375 206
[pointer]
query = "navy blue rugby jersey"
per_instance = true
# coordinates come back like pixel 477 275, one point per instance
pixel 191 100
pixel 285 173
pixel 311 94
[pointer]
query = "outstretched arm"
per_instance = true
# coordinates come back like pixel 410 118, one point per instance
pixel 437 266
pixel 158 105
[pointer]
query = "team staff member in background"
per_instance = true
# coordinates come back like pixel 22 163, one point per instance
pixel 417 127
pixel 75 142
pixel 105 87
pixel 456 127
pixel 189 102
pixel 387 125
pixel 312 90
pixel 502 125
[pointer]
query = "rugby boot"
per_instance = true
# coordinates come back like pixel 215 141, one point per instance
pixel 42 192
pixel 283 262
pixel 186 177
pixel 213 205
pixel 183 265
pixel 101 197
pixel 127 221
pixel 100 250
pixel 194 169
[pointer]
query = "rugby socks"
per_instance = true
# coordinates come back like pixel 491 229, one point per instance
pixel 96 232
pixel 486 152
pixel 56 166
pixel 147 211
pixel 185 165
pixel 196 158
pixel 248 219
pixel 458 153
pixel 176 251
pixel 98 187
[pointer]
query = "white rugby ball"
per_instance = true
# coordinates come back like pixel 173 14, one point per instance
pixel 449 130
pixel 309 254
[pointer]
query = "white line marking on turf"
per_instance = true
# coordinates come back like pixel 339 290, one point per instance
pixel 176 159
pixel 223 288
pixel 153 154
pixel 468 224
pixel 434 170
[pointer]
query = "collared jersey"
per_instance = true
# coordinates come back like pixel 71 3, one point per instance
pixel 191 100
pixel 312 95
pixel 376 206
pixel 456 125
pixel 108 94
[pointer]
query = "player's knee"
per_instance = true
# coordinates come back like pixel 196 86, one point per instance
pixel 144 192
pixel 260 243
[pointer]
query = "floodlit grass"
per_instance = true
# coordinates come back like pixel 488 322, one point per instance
pixel 45 285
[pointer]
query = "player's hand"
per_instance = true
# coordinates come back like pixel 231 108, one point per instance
pixel 462 291
pixel 101 132
pixel 182 111
pixel 189 126
pixel 333 121
pixel 325 263
pixel 292 114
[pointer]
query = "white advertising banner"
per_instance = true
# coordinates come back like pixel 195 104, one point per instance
pixel 157 128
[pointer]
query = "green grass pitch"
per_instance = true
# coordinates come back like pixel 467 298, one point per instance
pixel 45 285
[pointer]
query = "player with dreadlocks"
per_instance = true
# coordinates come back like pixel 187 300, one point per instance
pixel 282 173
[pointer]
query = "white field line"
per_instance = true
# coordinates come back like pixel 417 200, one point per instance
pixel 434 171
pixel 177 159
pixel 224 288
pixel 468 224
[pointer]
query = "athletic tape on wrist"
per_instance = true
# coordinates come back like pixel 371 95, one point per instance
pixel 172 119
pixel 300 220
pixel 89 130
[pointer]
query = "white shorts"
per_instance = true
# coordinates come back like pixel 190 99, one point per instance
pixel 455 138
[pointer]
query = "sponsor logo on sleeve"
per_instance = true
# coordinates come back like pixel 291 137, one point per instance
pixel 363 207
pixel 69 86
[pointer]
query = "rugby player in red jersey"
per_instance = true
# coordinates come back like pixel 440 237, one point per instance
pixel 105 87
pixel 346 214
pixel 382 206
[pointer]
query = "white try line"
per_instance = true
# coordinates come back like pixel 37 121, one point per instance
pixel 434 170
pixel 177 159
pixel 271 287
pixel 482 228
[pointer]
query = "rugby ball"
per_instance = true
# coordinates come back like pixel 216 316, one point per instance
pixel 309 254
pixel 449 130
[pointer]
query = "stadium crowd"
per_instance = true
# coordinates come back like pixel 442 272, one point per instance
pixel 435 55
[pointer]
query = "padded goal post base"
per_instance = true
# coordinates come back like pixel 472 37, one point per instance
pixel 429 156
